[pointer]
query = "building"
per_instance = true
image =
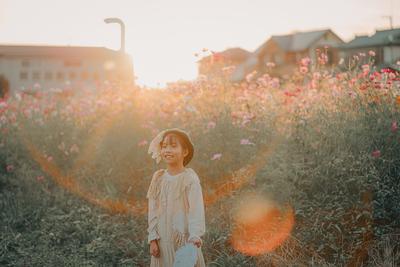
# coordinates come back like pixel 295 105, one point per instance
pixel 212 65
pixel 32 67
pixel 385 44
pixel 285 51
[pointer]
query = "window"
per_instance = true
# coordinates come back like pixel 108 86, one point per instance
pixel 267 58
pixel 60 76
pixel 331 58
pixel 23 75
pixel 36 75
pixel 95 76
pixel 48 76
pixel 72 63
pixel 25 63
pixel 84 75
pixel 110 76
pixel 72 75
pixel 278 59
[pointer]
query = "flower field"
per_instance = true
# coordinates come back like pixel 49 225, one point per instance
pixel 296 171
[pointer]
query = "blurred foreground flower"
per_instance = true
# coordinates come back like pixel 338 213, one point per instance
pixel 376 153
pixel 270 64
pixel 142 143
pixel 246 142
pixel 394 126
pixel 216 156
pixel 74 148
pixel 10 168
pixel 305 61
pixel 211 125
pixel 303 69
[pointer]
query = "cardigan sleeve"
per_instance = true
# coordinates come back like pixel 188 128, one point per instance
pixel 196 218
pixel 152 217
pixel 152 221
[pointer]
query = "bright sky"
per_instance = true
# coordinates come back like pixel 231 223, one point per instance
pixel 163 35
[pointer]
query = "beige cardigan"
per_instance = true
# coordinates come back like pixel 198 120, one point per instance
pixel 188 208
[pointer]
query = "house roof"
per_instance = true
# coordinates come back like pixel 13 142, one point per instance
pixel 57 51
pixel 234 54
pixel 380 38
pixel 296 41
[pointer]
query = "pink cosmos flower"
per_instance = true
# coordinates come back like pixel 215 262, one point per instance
pixel 303 69
pixel 211 124
pixel 10 168
pixel 3 104
pixel 371 53
pixel 274 83
pixel 216 156
pixel 323 58
pixel 61 146
pixel 270 64
pixel 49 158
pixel 40 178
pixel 316 75
pixel 250 76
pixel 305 61
pixel 245 121
pixel 365 68
pixel 394 126
pixel 392 76
pixel 376 153
pixel 74 148
pixel 142 143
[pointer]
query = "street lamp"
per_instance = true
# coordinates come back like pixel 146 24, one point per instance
pixel 121 23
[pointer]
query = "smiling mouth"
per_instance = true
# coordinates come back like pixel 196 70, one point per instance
pixel 169 157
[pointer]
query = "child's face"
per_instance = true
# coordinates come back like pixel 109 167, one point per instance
pixel 172 151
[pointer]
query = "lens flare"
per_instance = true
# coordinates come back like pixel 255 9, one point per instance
pixel 230 182
pixel 261 226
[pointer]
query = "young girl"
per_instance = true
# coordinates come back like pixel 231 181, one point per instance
pixel 176 208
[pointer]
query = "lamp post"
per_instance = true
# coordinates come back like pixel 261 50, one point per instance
pixel 126 66
pixel 121 23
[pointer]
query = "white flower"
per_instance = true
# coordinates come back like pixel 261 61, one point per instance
pixel 246 142
pixel 216 156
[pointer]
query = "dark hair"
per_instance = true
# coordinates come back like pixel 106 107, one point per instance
pixel 185 143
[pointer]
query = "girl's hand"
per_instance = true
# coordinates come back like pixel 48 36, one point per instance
pixel 196 241
pixel 154 249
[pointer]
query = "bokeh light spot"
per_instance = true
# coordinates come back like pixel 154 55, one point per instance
pixel 261 226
